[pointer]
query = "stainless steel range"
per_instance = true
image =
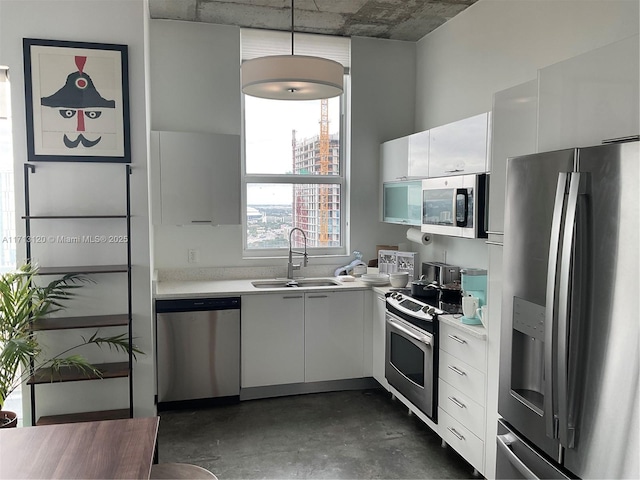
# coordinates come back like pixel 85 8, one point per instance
pixel 411 358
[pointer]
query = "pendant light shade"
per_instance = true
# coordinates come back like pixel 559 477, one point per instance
pixel 292 77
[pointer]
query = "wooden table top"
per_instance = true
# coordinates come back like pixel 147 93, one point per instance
pixel 105 449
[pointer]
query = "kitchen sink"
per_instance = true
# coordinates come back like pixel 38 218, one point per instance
pixel 298 283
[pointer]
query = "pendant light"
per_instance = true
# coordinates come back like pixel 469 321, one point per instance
pixel 292 77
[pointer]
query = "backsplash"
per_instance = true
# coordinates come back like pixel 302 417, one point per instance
pixel 240 273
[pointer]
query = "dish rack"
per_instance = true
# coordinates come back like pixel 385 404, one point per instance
pixel 392 261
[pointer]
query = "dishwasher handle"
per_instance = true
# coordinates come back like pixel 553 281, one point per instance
pixel 197 304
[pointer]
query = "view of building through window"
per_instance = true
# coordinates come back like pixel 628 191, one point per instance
pixel 293 172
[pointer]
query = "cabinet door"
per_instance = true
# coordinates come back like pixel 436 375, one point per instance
pixel 334 332
pixel 514 119
pixel 272 339
pixel 419 154
pixel 590 98
pixel 199 178
pixel 394 158
pixel 379 308
pixel 402 202
pixel 460 147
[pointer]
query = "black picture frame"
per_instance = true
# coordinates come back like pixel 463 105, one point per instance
pixel 77 101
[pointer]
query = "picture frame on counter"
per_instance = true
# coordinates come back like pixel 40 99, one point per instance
pixel 77 101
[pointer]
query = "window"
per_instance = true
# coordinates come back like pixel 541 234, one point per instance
pixel 7 202
pixel 7 209
pixel 294 171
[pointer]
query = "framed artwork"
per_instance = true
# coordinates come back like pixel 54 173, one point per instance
pixel 77 101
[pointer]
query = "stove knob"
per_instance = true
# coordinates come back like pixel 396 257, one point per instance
pixel 399 296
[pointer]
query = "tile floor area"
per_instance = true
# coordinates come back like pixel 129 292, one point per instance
pixel 338 435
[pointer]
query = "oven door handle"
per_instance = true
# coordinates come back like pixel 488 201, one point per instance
pixel 426 339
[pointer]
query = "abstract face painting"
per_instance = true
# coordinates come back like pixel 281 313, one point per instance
pixel 77 102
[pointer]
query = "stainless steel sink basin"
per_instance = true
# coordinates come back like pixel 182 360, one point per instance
pixel 317 282
pixel 298 283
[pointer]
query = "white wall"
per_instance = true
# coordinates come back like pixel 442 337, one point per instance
pixel 496 44
pixel 382 107
pixel 119 22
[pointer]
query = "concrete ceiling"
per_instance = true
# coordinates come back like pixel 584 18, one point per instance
pixel 408 20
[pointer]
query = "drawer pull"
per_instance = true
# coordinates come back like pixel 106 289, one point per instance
pixel 318 296
pixel 453 430
pixel 457 402
pixel 287 297
pixel 457 339
pixel 457 370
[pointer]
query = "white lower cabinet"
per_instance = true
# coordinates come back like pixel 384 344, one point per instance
pixel 301 337
pixel 379 339
pixel 461 439
pixel 272 339
pixel 462 392
pixel 334 336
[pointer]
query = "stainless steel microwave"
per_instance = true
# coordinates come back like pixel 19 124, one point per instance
pixel 455 206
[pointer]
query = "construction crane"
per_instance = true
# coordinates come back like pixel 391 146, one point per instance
pixel 323 204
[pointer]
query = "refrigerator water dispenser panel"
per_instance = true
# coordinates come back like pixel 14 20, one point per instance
pixel 528 318
pixel 527 367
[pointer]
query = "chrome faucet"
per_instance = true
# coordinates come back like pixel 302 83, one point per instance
pixel 291 266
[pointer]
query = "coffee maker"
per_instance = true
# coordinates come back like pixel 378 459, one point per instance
pixel 474 284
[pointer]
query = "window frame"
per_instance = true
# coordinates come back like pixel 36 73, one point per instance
pixel 292 179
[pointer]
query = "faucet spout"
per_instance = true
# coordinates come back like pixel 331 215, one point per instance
pixel 290 265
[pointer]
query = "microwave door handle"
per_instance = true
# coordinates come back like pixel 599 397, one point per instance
pixel 550 347
pixel 504 441
pixel 568 259
pixel 464 193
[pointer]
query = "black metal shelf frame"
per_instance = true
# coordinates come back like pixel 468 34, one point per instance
pixel 84 322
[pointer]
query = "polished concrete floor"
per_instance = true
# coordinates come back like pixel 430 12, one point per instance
pixel 338 435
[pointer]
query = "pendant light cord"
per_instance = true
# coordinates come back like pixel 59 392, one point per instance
pixel 292 8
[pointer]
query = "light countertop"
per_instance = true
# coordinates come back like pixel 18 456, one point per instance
pixel 176 289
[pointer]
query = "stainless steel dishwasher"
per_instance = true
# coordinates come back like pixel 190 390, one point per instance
pixel 198 351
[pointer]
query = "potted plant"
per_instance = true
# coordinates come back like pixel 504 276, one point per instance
pixel 22 304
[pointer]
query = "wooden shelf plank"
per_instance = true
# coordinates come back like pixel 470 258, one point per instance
pixel 83 269
pixel 59 217
pixel 96 321
pixel 72 374
pixel 83 417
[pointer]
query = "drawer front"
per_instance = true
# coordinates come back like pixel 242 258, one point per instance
pixel 461 407
pixel 462 376
pixel 464 346
pixel 462 440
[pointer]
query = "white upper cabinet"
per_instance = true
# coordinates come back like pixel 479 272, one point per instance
pixel 460 147
pixel 394 158
pixel 514 127
pixel 419 154
pixel 590 98
pixel 199 178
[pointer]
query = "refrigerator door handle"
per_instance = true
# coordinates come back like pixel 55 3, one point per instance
pixel 550 346
pixel 504 441
pixel 576 187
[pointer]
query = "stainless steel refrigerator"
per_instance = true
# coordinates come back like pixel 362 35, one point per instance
pixel 569 389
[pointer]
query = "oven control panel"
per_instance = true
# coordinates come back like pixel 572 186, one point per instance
pixel 412 306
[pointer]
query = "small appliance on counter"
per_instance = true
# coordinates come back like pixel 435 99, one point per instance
pixel 392 261
pixel 440 284
pixel 474 284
